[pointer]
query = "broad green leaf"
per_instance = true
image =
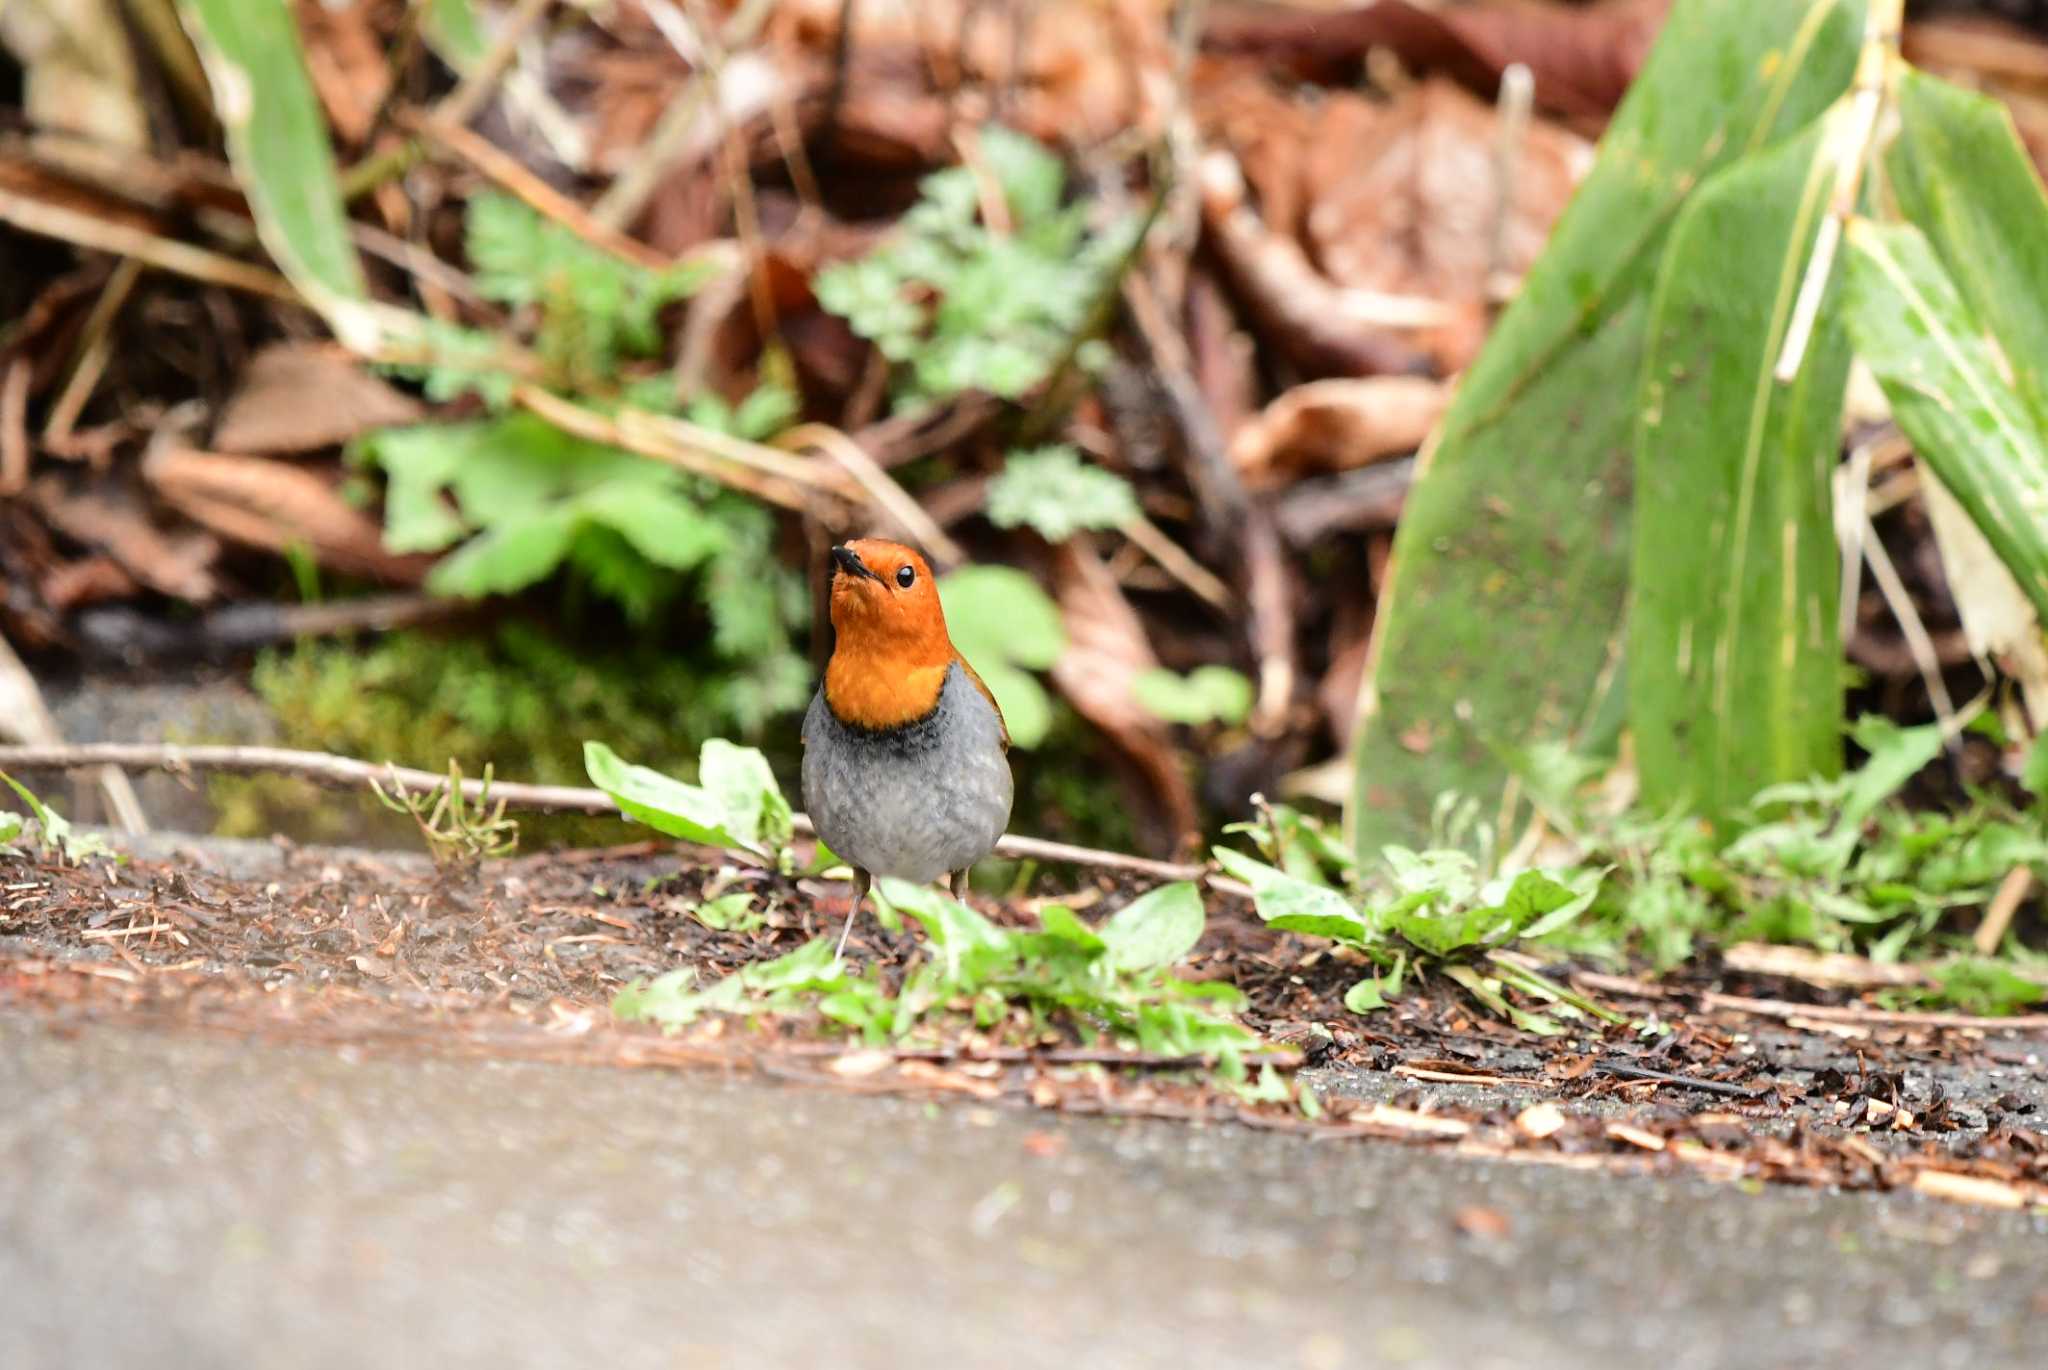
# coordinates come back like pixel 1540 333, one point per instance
pixel 1006 627
pixel 667 805
pixel 1060 922
pixel 1963 178
pixel 506 558
pixel 278 142
pixel 1156 929
pixel 1291 904
pixel 1208 694
pixel 1948 392
pixel 1896 756
pixel 1503 621
pixel 1365 997
pixel 1734 662
pixel 10 826
pixel 752 803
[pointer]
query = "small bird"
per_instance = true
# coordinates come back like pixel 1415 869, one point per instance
pixel 906 766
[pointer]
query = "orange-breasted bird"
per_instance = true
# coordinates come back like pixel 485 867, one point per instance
pixel 906 765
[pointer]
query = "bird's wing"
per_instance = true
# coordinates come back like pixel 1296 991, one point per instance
pixel 982 686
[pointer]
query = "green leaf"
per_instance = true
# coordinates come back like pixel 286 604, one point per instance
pixel 752 803
pixel 1948 392
pixel 278 143
pixel 506 558
pixel 1365 997
pixel 1504 617
pixel 729 913
pixel 1964 179
pixel 1290 904
pixel 1156 929
pixel 1208 694
pixel 53 829
pixel 666 805
pixel 451 28
pixel 2035 774
pixel 1031 177
pixel 1006 626
pixel 1735 677
pixel 1060 922
pixel 1896 756
pixel 1055 492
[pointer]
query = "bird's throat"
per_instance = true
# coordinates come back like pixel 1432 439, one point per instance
pixel 882 690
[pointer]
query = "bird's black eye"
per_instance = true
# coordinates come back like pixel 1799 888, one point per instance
pixel 906 576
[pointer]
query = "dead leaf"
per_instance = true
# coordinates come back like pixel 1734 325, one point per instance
pixel 1106 651
pixel 109 518
pixel 1336 424
pixel 299 397
pixel 345 58
pixel 1416 209
pixel 1322 326
pixel 276 505
pixel 1582 58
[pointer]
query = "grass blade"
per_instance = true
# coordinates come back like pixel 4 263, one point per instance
pixel 1502 625
pixel 1949 394
pixel 278 142
pixel 1735 677
pixel 1963 178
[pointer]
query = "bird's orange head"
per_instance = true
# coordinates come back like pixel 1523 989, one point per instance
pixel 890 652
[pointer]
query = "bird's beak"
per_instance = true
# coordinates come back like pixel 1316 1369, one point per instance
pixel 849 561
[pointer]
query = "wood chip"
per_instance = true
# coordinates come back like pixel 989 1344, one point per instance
pixel 1968 1189
pixel 1539 1121
pixel 856 1065
pixel 1635 1136
pixel 1385 1117
pixel 1489 1223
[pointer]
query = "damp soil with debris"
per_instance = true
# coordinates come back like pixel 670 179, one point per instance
pixel 1722 1074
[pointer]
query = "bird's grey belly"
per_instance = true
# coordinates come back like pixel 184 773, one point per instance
pixel 915 803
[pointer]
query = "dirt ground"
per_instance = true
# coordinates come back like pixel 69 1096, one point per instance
pixel 1727 1077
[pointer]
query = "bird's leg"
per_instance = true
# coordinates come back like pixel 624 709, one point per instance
pixel 861 881
pixel 957 882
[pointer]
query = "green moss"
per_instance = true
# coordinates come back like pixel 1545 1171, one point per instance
pixel 514 697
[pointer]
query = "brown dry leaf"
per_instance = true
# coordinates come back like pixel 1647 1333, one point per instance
pixel 1069 71
pixel 276 505
pixel 345 58
pixel 1336 424
pixel 1582 58
pixel 1320 324
pixel 299 397
pixel 1106 651
pixel 1416 208
pixel 112 520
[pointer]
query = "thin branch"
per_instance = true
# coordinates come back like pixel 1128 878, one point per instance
pixel 763 472
pixel 345 772
pixel 477 83
pixel 512 175
pixel 880 488
pixel 102 235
